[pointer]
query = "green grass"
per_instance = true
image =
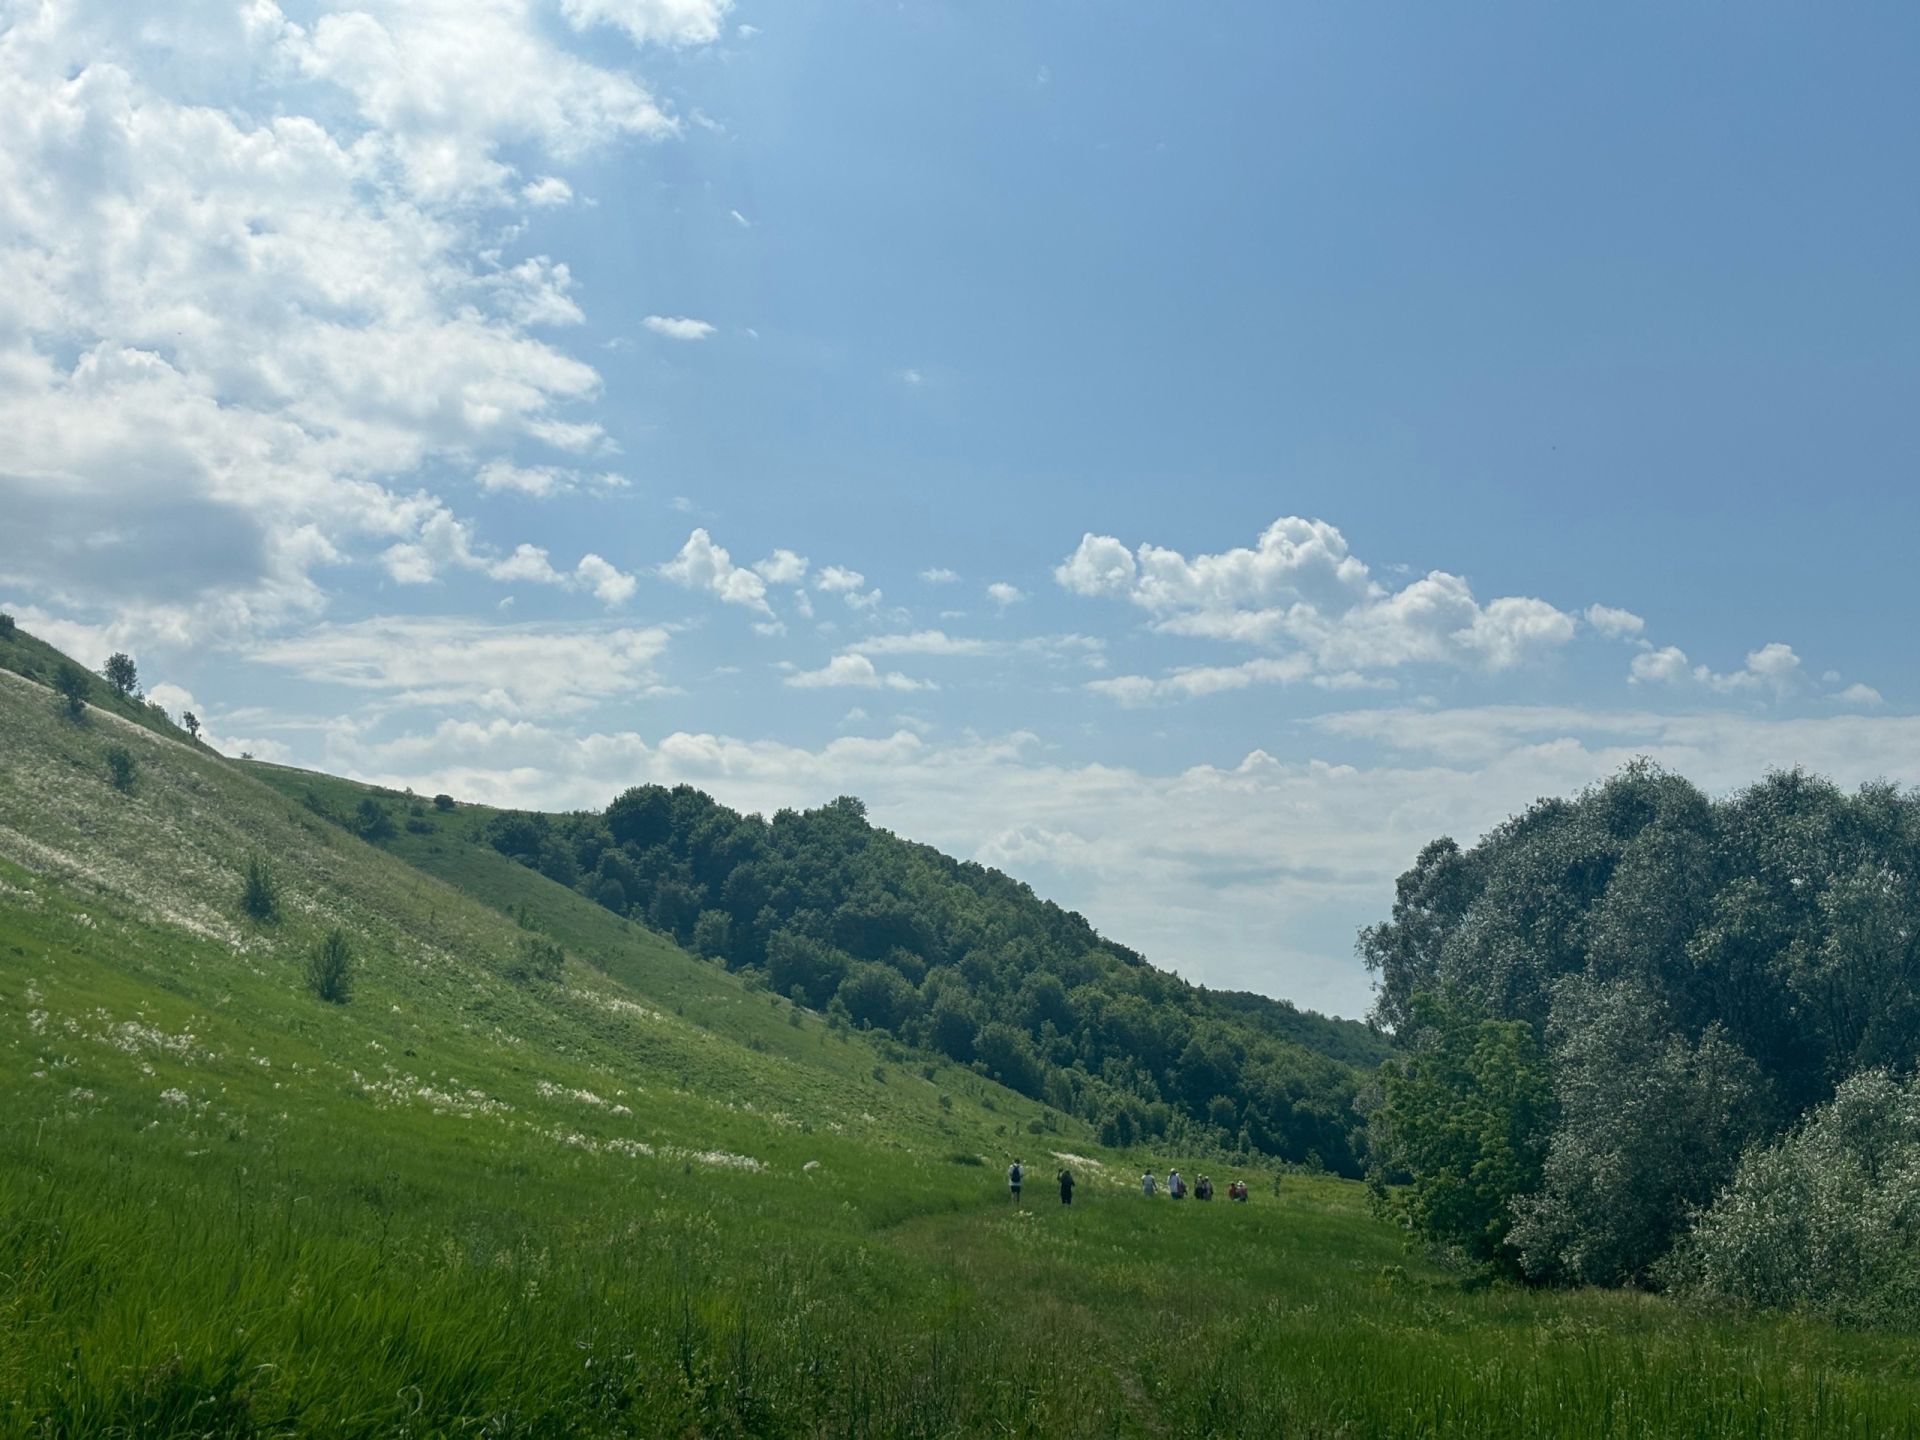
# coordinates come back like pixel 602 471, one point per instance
pixel 651 1200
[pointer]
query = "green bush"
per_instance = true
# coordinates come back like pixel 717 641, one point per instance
pixel 443 802
pixel 1827 1219
pixel 72 685
pixel 6 626
pixel 372 822
pixel 120 767
pixel 260 891
pixel 330 968
pixel 537 959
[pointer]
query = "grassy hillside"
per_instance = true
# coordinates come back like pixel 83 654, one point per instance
pixel 952 957
pixel 647 1198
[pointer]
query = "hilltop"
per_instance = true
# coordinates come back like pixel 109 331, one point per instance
pixel 546 1173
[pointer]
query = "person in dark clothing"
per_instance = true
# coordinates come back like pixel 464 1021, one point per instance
pixel 1066 1187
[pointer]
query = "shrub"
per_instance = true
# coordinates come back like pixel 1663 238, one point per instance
pixel 538 958
pixel 443 802
pixel 121 767
pixel 6 626
pixel 71 682
pixel 1826 1219
pixel 372 822
pixel 330 968
pixel 260 892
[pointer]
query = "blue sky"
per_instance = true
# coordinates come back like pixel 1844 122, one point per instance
pixel 450 394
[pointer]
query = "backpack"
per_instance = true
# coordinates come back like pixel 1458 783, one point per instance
pixel 1013 1175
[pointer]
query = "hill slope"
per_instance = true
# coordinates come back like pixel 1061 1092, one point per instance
pixel 946 955
pixel 646 1198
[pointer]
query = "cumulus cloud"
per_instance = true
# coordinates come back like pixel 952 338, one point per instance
pixel 548 190
pixel 678 327
pixel 856 670
pixel 1299 588
pixel 703 565
pixel 1615 624
pixel 783 567
pixel 1858 694
pixel 939 575
pixel 838 580
pixel 1004 594
pixel 1773 669
pixel 234 334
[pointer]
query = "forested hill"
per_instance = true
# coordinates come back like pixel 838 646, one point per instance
pixel 962 959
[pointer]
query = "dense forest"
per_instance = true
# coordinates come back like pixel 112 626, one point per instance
pixel 1654 1038
pixel 957 958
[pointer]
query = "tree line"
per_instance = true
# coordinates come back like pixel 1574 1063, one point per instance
pixel 1657 1039
pixel 958 958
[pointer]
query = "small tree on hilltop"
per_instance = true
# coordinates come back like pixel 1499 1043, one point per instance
pixel 6 626
pixel 72 684
pixel 121 767
pixel 260 894
pixel 443 802
pixel 122 674
pixel 330 968
pixel 192 722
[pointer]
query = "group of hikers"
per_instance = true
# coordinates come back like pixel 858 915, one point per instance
pixel 1202 1187
pixel 1176 1185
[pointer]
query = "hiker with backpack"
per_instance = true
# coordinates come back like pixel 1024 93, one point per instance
pixel 1013 1181
pixel 1146 1184
pixel 1176 1187
pixel 1066 1187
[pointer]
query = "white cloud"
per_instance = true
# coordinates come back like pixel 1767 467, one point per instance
pixel 229 345
pixel 703 565
pixel 783 567
pixel 1085 648
pixel 747 32
pixel 1615 624
pixel 444 85
pixel 740 220
pixel 1301 587
pixel 541 481
pixel 1003 594
pixel 912 377
pixel 662 22
pixel 508 669
pixel 1667 665
pixel 608 584
pixel 838 580
pixel 1773 669
pixel 1099 565
pixel 1858 694
pixel 853 669
pixel 678 327
pixel 939 575
pixel 548 190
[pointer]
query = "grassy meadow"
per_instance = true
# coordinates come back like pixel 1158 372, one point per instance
pixel 645 1198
